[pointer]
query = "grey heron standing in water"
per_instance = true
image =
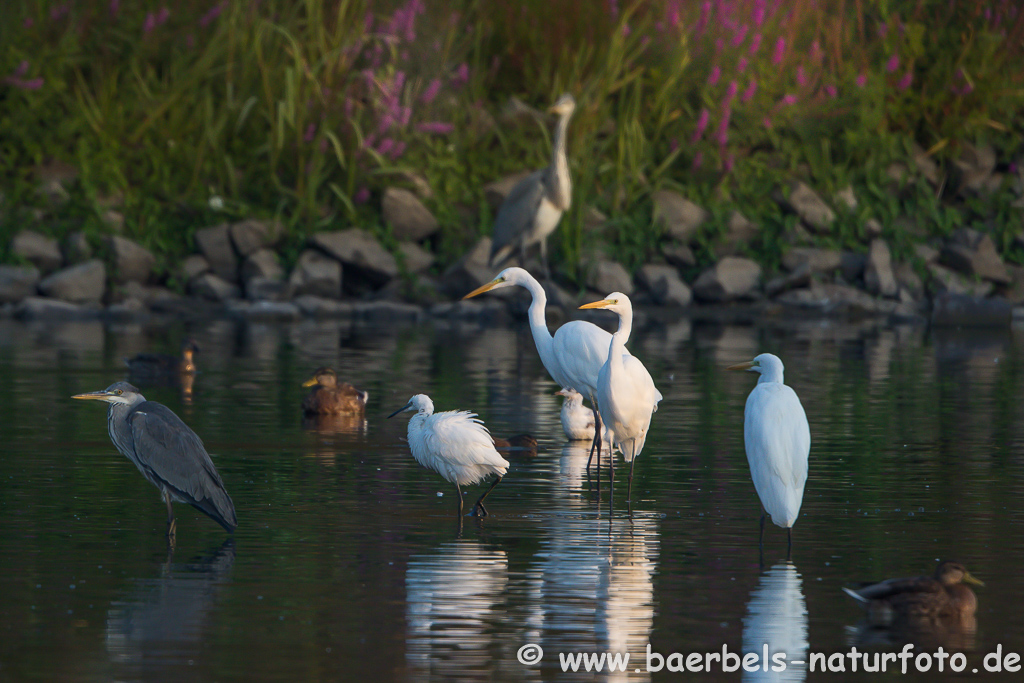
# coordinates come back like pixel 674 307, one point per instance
pixel 532 209
pixel 169 454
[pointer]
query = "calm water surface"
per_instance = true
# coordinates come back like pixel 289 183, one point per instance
pixel 348 562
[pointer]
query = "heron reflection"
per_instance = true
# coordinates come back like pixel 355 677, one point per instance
pixel 776 619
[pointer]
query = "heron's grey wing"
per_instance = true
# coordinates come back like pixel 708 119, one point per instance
pixel 516 215
pixel 176 457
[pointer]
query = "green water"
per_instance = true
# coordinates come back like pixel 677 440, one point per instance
pixel 348 563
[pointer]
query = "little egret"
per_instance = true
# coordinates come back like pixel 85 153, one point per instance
pixel 941 595
pixel 455 444
pixel 532 209
pixel 330 398
pixel 777 440
pixel 574 355
pixel 625 390
pixel 578 420
pixel 167 452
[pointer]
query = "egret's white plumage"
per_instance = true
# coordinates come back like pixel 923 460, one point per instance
pixel 777 439
pixel 453 443
pixel 578 420
pixel 625 390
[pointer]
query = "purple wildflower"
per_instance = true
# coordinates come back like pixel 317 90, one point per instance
pixel 115 7
pixel 740 35
pixel 58 12
pixel 741 65
pixel 613 8
pixel 435 127
pixel 906 80
pixel 163 15
pixel 310 133
pixel 892 64
pixel 801 77
pixel 730 93
pixel 21 70
pixel 385 146
pixel 758 14
pixel 705 14
pixel 755 44
pixel 702 124
pixel 862 80
pixel 698 160
pixel 767 122
pixel 28 22
pixel 461 76
pixel 883 30
pixel 716 72
pixel 431 92
pixel 362 195
pixel 399 150
pixel 831 90
pixel 780 51
pixel 149 24
pixel 729 162
pixel 788 100
pixel 748 94
pixel 626 30
pixel 212 14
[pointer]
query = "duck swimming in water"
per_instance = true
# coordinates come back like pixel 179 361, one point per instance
pixel 328 397
pixel 939 596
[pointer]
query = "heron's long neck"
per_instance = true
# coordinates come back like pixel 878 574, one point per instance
pixel 618 344
pixel 771 374
pixel 538 323
pixel 562 189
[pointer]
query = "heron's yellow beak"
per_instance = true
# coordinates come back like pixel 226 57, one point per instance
pixel 971 580
pixel 93 396
pixel 741 366
pixel 603 303
pixel 485 288
pixel 310 382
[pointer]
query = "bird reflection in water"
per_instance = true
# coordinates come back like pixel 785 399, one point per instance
pixel 454 608
pixel 928 611
pixel 164 621
pixel 166 370
pixel 777 618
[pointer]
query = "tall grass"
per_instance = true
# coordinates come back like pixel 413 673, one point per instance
pixel 306 110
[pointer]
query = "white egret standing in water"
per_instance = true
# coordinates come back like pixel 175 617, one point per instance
pixel 625 390
pixel 778 440
pixel 455 444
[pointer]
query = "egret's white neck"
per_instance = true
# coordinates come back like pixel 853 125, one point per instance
pixel 619 339
pixel 562 191
pixel 771 372
pixel 538 323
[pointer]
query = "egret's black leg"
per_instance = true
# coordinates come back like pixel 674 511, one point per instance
pixel 171 524
pixel 629 487
pixel 480 503
pixel 789 543
pixel 760 541
pixel 458 492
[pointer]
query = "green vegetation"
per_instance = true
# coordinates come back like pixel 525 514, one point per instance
pixel 306 110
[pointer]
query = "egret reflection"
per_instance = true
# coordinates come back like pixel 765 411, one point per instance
pixel 163 621
pixel 777 618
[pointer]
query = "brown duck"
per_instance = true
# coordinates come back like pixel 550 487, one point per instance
pixel 940 596
pixel 165 363
pixel 520 443
pixel 328 397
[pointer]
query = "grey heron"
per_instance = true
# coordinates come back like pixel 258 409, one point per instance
pixel 532 209
pixel 169 454
pixel 330 398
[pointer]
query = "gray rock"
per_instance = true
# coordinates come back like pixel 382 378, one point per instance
pixel 126 309
pixel 380 311
pixel 212 287
pixel 961 310
pixel 679 217
pixel 17 282
pixel 926 253
pixel 847 198
pixel 909 281
pixel 831 298
pixel 259 288
pixel 811 208
pixel 610 276
pixel 974 167
pixel 470 271
pixel 114 220
pixel 192 266
pixel 496 192
pixel 264 310
pixel 214 244
pixel 730 279
pixel 253 234
pixel 879 277
pixel 38 249
pixel 79 284
pixel 316 275
pixel 852 266
pixel 149 295
pixel 926 166
pixel 665 285
pixel 360 253
pixel 415 258
pixel 974 253
pixel 945 281
pixel 405 213
pixel 419 184
pixel 679 255
pixel 54 179
pixel 1014 293
pixel 77 248
pixel 132 262
pixel 262 263
pixel 816 259
pixel 898 175
pixel 740 232
pixel 872 228
pixel 319 307
pixel 39 308
pixel 800 276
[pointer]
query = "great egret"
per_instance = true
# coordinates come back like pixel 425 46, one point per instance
pixel 455 444
pixel 330 398
pixel 532 209
pixel 625 390
pixel 574 355
pixel 778 440
pixel 941 595
pixel 168 453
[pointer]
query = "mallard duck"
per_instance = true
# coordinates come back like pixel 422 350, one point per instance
pixel 330 398
pixel 521 443
pixel 924 597
pixel 165 363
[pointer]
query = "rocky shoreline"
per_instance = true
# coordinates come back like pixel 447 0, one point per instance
pixel 961 279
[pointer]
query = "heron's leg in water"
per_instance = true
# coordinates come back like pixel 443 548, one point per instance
pixel 789 544
pixel 629 487
pixel 596 443
pixel 480 503
pixel 458 492
pixel 171 525
pixel 760 541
